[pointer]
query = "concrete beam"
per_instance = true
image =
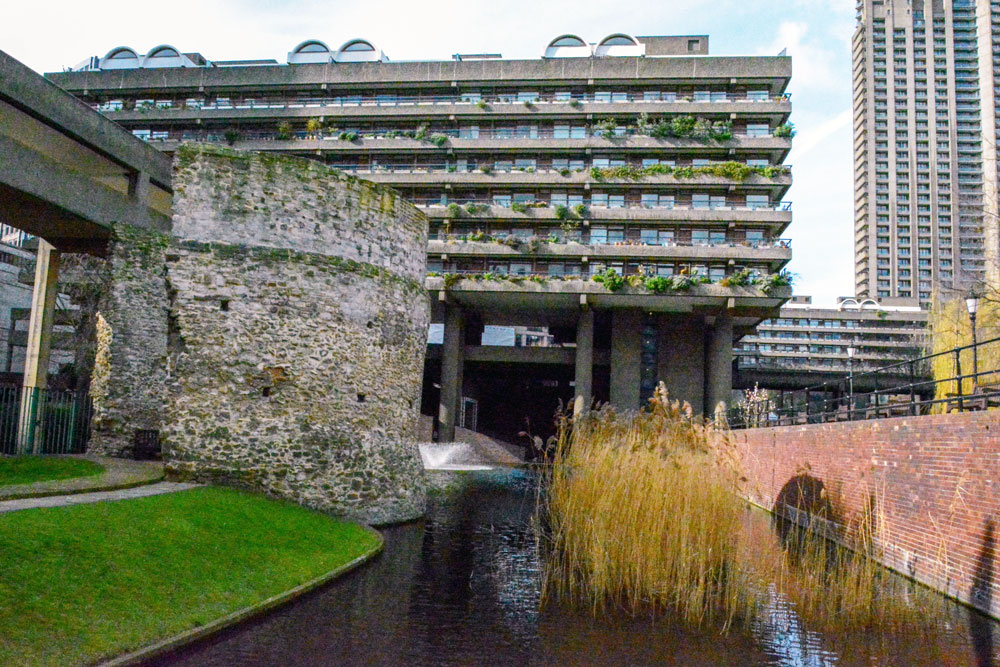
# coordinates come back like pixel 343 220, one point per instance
pixel 64 207
pixel 23 88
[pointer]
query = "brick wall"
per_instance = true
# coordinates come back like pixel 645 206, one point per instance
pixel 934 479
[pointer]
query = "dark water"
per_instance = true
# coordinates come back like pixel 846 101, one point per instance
pixel 462 588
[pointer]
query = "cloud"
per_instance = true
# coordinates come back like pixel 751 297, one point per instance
pixel 812 136
pixel 815 65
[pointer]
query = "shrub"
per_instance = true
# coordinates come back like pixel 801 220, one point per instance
pixel 454 210
pixel 348 136
pixel 580 210
pixel 519 207
pixel 451 279
pixel 528 104
pixel 576 104
pixel 606 128
pixel 658 284
pixel 476 209
pixel 682 126
pixel 561 212
pixel 314 125
pixel 565 172
pixel 611 280
pixel 482 105
pixel 421 133
pixel 787 130
pixel 439 140
pixel 232 136
pixel 486 168
pixel 284 130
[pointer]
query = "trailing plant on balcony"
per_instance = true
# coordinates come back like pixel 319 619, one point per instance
pixel 565 172
pixel 580 210
pixel 421 133
pixel 486 169
pixel 476 209
pixel 314 125
pixel 519 207
pixel 479 236
pixel 232 136
pixel 740 278
pixel 454 210
pixel 391 134
pixel 439 140
pixel 606 128
pixel 611 280
pixel 451 279
pixel 348 136
pixel 785 131
pixel 561 212
pixel 528 104
pixel 284 131
pixel 482 105
pixel 783 278
pixel 452 169
pixel 658 284
pixel 576 104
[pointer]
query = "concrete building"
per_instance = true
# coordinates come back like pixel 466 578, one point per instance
pixel 925 133
pixel 809 344
pixel 643 158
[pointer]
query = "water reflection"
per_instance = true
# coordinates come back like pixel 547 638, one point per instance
pixel 463 588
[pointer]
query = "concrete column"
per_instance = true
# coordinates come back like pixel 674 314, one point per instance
pixel 626 368
pixel 451 371
pixel 584 362
pixel 719 364
pixel 681 351
pixel 36 361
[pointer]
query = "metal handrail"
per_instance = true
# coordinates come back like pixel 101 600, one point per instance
pixel 468 99
pixel 909 379
pixel 436 202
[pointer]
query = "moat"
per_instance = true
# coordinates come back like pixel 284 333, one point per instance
pixel 463 587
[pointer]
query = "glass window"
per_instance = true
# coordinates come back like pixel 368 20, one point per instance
pixel 758 130
pixel 468 132
pixel 755 202
pixel 599 199
pixel 699 200
pixel 598 235
pixel 699 237
pixel 501 200
pixel 560 132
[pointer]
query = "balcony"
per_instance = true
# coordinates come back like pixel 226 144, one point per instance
pixel 435 106
pixel 780 213
pixel 775 253
pixel 392 141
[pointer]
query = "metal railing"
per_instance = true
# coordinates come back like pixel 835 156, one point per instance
pixel 905 388
pixel 460 99
pixel 560 236
pixel 464 201
pixel 61 423
pixel 349 137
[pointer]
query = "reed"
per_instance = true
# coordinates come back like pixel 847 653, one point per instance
pixel 645 512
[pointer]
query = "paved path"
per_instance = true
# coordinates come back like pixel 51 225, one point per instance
pixel 118 474
pixel 96 497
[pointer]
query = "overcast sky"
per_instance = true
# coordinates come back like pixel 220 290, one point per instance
pixel 56 34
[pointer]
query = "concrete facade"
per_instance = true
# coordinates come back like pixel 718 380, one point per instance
pixel 537 176
pixel 925 128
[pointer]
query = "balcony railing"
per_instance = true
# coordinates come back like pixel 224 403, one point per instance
pixel 439 202
pixel 469 100
pixel 351 137
pixel 561 237
pixel 905 388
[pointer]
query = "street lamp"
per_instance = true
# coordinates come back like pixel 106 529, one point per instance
pixel 972 304
pixel 851 351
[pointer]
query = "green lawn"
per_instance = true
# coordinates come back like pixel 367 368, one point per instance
pixel 28 469
pixel 85 583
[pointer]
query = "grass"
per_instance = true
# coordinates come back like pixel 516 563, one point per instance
pixel 645 513
pixel 86 583
pixel 29 469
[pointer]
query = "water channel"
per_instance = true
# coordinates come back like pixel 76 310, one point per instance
pixel 462 587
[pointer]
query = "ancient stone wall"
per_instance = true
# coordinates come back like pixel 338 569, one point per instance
pixel 298 324
pixel 933 481
pixel 128 382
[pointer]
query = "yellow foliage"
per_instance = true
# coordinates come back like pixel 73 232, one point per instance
pixel 950 327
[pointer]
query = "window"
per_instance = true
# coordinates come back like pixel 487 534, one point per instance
pixel 468 132
pixel 755 202
pixel 758 130
pixel 656 236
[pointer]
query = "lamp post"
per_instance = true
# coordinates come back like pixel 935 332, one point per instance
pixel 972 304
pixel 851 351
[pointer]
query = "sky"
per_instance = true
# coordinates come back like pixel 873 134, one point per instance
pixel 56 34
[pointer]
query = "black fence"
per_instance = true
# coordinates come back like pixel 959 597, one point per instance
pixel 61 424
pixel 907 388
